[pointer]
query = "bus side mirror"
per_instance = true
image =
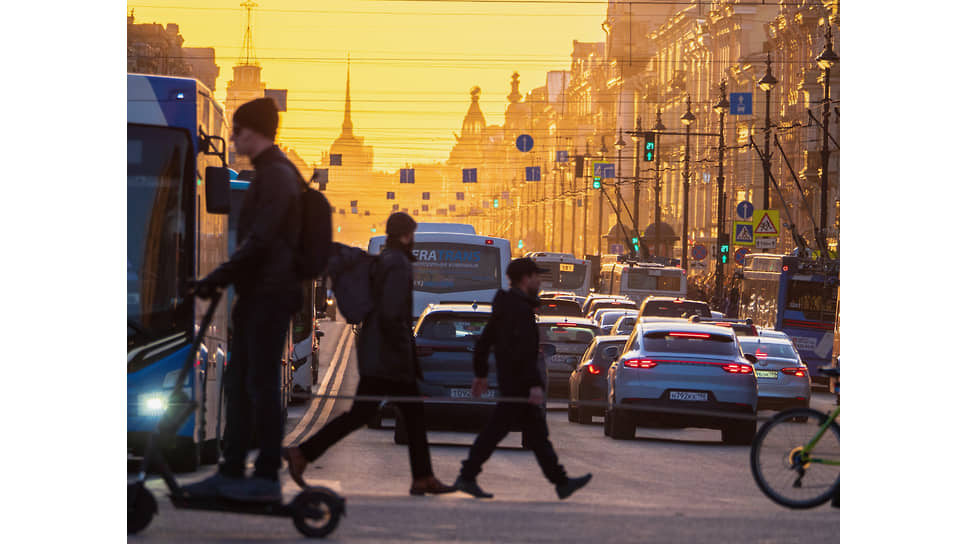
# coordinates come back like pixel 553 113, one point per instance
pixel 217 189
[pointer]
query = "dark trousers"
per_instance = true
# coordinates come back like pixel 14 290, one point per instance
pixel 361 412
pixel 253 396
pixel 535 430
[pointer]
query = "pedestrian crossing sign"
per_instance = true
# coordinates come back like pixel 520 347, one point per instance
pixel 742 233
pixel 766 222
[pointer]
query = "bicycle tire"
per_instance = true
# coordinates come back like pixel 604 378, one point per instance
pixel 773 459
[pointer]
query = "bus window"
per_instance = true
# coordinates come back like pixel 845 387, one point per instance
pixel 817 301
pixel 443 267
pixel 640 279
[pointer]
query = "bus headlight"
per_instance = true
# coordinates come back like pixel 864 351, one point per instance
pixel 152 404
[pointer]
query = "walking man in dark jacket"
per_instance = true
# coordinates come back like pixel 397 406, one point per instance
pixel 387 364
pixel 513 333
pixel 268 292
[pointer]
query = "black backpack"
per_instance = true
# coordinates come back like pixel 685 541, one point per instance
pixel 351 272
pixel 315 232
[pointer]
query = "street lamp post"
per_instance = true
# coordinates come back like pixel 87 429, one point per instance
pixel 827 59
pixel 658 128
pixel 602 151
pixel 721 108
pixel 584 201
pixel 636 137
pixel 687 119
pixel 619 146
pixel 766 83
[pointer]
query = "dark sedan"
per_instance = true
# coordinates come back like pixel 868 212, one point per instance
pixel 589 381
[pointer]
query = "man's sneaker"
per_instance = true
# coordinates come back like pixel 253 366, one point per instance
pixel 253 490
pixel 210 487
pixel 471 488
pixel 565 489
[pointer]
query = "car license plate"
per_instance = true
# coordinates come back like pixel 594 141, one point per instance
pixel 466 394
pixel 766 374
pixel 688 395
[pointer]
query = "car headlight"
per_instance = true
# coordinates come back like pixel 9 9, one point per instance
pixel 152 404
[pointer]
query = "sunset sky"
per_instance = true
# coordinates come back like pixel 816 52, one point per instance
pixel 413 63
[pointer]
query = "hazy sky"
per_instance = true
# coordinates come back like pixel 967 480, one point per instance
pixel 413 63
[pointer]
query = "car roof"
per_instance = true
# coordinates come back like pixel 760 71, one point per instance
pixel 670 299
pixel 611 338
pixel 480 307
pixel 765 340
pixel 544 319
pixel 684 326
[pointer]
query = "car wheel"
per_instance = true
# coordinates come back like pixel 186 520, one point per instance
pixel 572 415
pixel 740 433
pixel 623 428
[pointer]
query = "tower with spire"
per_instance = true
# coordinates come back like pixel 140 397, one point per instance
pixel 357 158
pixel 246 85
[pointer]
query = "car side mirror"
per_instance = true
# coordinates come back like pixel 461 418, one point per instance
pixel 548 349
pixel 751 358
pixel 320 334
pixel 217 190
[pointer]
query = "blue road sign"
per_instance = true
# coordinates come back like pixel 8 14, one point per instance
pixel 741 103
pixel 532 173
pixel 604 170
pixel 460 196
pixel 743 234
pixel 741 256
pixel 391 195
pixel 524 143
pixel 561 156
pixel 699 252
pixel 745 210
pixel 470 175
pixel 426 196
pixel 336 160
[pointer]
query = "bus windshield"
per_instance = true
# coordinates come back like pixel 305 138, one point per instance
pixel 443 267
pixel 157 246
pixel 643 278
pixel 564 276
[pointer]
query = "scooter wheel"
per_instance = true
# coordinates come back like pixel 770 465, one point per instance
pixel 141 507
pixel 316 512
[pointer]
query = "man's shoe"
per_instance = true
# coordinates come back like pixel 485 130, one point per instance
pixel 254 489
pixel 471 488
pixel 208 488
pixel 430 485
pixel 297 464
pixel 565 489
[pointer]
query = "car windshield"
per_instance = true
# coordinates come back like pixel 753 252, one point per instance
pixel 567 333
pixel 609 318
pixel 681 308
pixel 689 342
pixel 771 350
pixel 452 326
pixel 613 305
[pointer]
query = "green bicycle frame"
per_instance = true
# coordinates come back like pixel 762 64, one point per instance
pixel 813 442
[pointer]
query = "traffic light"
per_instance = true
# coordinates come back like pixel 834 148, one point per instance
pixel 649 142
pixel 635 245
pixel 496 202
pixel 723 247
pixel 597 182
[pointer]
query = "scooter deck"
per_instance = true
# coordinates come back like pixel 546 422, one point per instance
pixel 226 505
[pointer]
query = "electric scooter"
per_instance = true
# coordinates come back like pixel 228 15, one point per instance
pixel 315 511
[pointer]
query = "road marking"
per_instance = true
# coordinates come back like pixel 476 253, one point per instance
pixel 336 386
pixel 308 416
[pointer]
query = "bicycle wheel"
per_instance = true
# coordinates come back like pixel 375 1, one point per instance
pixel 781 469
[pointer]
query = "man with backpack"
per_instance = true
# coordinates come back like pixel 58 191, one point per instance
pixel 513 334
pixel 266 270
pixel 387 363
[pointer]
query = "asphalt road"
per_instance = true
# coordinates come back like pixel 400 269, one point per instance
pixel 664 486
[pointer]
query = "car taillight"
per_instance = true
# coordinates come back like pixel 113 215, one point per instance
pixel 736 368
pixel 795 371
pixel 592 369
pixel 640 363
pixel 689 335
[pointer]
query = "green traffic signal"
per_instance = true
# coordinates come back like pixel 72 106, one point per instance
pixel 597 183
pixel 496 203
pixel 649 140
pixel 724 253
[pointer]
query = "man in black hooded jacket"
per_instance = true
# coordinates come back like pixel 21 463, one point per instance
pixel 387 364
pixel 513 333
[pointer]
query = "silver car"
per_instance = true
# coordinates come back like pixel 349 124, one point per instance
pixel 783 380
pixel 570 336
pixel 607 318
pixel 671 366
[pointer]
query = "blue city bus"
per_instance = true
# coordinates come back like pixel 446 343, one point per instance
pixel 796 296
pixel 177 231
